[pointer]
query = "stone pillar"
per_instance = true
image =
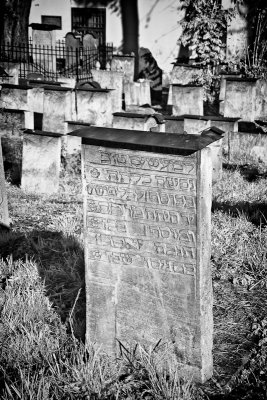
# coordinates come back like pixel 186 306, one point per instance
pixel 240 98
pixel 93 106
pixel 187 99
pixel 4 218
pixel 41 161
pixel 147 204
pixel 57 108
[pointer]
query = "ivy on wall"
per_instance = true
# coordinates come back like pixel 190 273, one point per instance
pixel 204 30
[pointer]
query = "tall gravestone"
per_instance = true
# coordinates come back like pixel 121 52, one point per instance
pixel 41 161
pixel 4 219
pixel 147 212
pixel 72 48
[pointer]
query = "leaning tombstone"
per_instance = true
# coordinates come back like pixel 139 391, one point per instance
pixel 4 219
pixel 41 161
pixel 147 204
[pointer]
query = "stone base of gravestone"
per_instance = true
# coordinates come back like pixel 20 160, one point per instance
pixel 240 97
pixel 147 243
pixel 41 162
pixel 4 218
pixel 187 99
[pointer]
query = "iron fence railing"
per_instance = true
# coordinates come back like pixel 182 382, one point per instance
pixel 57 61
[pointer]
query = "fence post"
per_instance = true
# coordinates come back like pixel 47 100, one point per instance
pixel 77 64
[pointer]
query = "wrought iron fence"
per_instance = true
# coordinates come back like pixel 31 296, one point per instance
pixel 54 62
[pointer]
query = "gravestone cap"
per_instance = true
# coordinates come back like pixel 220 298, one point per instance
pixel 213 132
pixel 78 123
pixel 193 116
pixel 42 133
pixel 13 86
pixel 219 118
pixel 92 89
pixel 44 82
pixel 240 79
pixel 174 117
pixel 57 88
pixel 144 140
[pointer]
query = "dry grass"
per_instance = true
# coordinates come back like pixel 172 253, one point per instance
pixel 47 237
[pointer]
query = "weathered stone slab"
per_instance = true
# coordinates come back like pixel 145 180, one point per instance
pixel 174 124
pixel 183 74
pixel 14 96
pixel 147 202
pixel 137 93
pixel 125 64
pixel 187 99
pixel 41 161
pixel 216 151
pixel 58 106
pixel 93 106
pixel 111 80
pixel 193 124
pixel 240 96
pixel 138 122
pixel 4 218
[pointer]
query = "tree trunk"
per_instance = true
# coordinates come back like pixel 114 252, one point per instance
pixel 14 20
pixel 130 29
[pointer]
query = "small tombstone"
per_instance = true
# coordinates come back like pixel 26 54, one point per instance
pixel 147 204
pixel 93 106
pixel 216 151
pixel 125 64
pixel 4 218
pixel 57 108
pixel 240 98
pixel 41 161
pixel 174 124
pixel 183 74
pixel 187 99
pixel 111 80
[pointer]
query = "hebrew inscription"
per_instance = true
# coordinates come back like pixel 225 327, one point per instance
pixel 141 210
pixel 147 251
